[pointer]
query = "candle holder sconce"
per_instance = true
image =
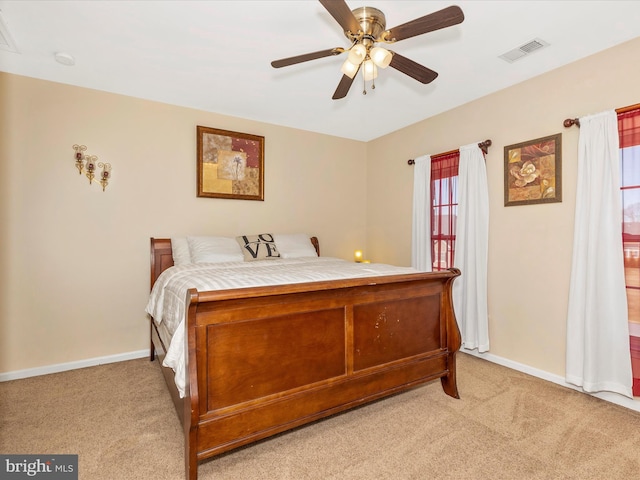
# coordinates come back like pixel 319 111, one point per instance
pixel 87 164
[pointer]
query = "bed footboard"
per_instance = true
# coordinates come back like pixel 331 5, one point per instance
pixel 268 359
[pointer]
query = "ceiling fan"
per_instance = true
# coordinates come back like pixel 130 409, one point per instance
pixel 365 27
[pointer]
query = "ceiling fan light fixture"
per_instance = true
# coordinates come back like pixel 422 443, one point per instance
pixel 370 70
pixel 349 69
pixel 357 54
pixel 365 27
pixel 381 56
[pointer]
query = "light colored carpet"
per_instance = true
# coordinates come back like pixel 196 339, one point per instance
pixel 121 422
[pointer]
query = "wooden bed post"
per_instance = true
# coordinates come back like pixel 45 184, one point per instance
pixel 454 339
pixel 191 403
pixel 449 384
pixel 161 259
pixel 152 349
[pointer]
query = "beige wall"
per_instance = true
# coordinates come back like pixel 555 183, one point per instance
pixel 74 260
pixel 529 246
pixel 74 276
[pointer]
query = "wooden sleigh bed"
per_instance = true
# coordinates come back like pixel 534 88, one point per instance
pixel 263 360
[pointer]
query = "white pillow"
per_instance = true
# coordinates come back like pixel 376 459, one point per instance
pixel 180 250
pixel 295 245
pixel 214 249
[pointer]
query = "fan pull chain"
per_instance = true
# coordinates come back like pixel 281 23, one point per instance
pixel 364 84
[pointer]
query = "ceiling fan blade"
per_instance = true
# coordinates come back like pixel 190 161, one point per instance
pixel 413 69
pixel 342 14
pixel 284 62
pixel 343 86
pixel 446 17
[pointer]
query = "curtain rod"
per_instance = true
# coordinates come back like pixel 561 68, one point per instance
pixel 570 122
pixel 484 146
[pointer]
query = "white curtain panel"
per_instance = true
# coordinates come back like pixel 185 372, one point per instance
pixel 421 227
pixel 598 355
pixel 472 250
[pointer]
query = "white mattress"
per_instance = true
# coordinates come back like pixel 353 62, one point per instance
pixel 167 300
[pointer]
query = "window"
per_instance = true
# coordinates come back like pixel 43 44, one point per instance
pixel 444 209
pixel 629 132
pixel 630 179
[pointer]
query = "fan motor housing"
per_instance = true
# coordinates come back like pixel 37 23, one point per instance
pixel 372 22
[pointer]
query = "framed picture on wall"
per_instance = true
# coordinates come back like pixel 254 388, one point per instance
pixel 533 171
pixel 230 164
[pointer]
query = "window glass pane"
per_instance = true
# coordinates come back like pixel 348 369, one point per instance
pixel 435 222
pixel 444 191
pixel 449 254
pixel 630 166
pixel 443 252
pixel 435 192
pixel 631 212
pixel 454 189
pixel 454 217
pixel 633 300
pixel 444 221
pixel 632 261
pixel 439 254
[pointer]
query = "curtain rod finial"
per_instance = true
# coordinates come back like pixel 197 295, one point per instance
pixel 570 122
pixel 484 146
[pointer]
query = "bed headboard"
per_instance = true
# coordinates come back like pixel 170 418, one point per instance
pixel 162 255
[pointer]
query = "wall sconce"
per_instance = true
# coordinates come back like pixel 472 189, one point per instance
pixel 87 164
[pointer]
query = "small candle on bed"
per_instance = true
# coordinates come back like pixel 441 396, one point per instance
pixel 358 255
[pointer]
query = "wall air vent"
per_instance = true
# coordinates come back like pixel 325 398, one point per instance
pixel 524 50
pixel 6 42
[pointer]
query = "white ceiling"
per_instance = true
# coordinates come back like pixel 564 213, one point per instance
pixel 215 55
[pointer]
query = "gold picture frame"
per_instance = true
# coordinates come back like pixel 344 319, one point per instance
pixel 533 171
pixel 230 164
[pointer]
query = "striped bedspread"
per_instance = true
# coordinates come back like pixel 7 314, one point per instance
pixel 167 300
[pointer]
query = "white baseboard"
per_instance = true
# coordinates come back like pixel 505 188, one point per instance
pixel 63 367
pixel 632 404
pixel 535 372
